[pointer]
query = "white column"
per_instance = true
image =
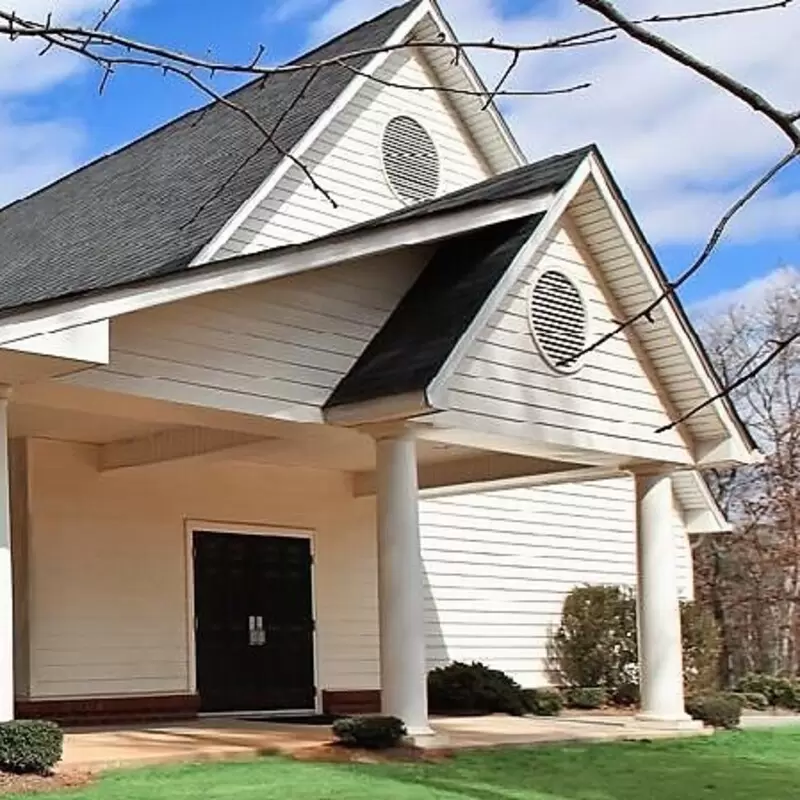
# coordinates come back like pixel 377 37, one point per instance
pixel 400 585
pixel 658 612
pixel 6 585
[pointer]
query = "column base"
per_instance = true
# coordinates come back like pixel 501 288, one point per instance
pixel 427 739
pixel 416 731
pixel 681 722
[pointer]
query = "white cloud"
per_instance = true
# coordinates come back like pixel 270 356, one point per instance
pixel 751 295
pixel 33 151
pixel 293 9
pixel 681 148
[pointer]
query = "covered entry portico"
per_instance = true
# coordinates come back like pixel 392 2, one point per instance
pixel 106 572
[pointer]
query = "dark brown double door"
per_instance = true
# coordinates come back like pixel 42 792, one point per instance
pixel 254 626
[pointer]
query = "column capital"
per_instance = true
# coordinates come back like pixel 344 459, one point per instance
pixel 382 431
pixel 653 470
pixel 5 391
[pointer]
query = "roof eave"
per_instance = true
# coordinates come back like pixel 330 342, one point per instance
pixel 739 442
pixel 382 409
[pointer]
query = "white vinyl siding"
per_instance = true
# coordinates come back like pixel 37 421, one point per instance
pixel 498 566
pixel 610 404
pixel 108 613
pixel 275 349
pixel 108 560
pixel 624 278
pixel 346 161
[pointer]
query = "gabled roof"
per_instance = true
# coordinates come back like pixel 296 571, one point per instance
pixel 421 333
pixel 146 210
pixel 392 365
pixel 411 348
pixel 548 174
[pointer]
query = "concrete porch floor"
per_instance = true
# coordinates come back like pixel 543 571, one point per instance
pixel 220 739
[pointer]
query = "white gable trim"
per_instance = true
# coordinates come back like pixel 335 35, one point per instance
pixel 298 151
pixel 736 448
pixel 708 518
pixel 478 85
pixel 438 386
pixel 403 31
pixel 268 265
pixel 741 450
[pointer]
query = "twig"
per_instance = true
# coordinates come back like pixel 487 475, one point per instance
pixel 392 84
pixel 17 27
pixel 108 64
pixel 289 108
pixel 716 235
pixel 779 348
pixel 228 103
pixel 747 95
pixel 106 14
pixel 503 78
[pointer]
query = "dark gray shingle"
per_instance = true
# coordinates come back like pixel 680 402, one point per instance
pixel 548 174
pixel 411 348
pixel 129 216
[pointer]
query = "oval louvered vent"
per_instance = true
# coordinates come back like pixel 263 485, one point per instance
pixel 410 160
pixel 558 319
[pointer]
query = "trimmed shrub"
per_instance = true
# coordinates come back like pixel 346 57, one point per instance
pixel 370 732
pixel 780 692
pixel 30 746
pixel 755 701
pixel 474 689
pixel 626 695
pixel 786 694
pixel 718 710
pixel 595 644
pixel 585 697
pixel 544 702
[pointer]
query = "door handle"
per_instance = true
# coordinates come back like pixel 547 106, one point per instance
pixel 257 634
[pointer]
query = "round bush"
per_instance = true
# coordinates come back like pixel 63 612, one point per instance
pixel 626 695
pixel 755 701
pixel 30 746
pixel 474 689
pixel 585 697
pixel 717 710
pixel 370 732
pixel 595 644
pixel 780 692
pixel 544 702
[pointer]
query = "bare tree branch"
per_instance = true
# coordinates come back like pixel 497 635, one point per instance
pixel 455 90
pixel 747 95
pixel 711 244
pixel 778 348
pixel 16 27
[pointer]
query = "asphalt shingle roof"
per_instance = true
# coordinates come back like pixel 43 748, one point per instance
pixel 133 215
pixel 411 348
pixel 541 176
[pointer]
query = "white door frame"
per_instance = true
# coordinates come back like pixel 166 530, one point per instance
pixel 192 526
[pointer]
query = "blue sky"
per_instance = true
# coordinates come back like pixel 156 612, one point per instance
pixel 680 151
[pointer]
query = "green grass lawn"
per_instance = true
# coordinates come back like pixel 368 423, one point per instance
pixel 763 765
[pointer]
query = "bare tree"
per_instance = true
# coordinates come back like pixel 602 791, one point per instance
pixel 111 51
pixel 751 580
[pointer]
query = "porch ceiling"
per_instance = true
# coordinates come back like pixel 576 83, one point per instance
pixel 133 433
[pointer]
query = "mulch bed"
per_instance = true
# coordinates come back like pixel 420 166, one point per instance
pixel 35 784
pixel 337 753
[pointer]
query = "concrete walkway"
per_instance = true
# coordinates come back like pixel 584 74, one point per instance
pixel 219 739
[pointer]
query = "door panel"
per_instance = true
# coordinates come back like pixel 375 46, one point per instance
pixel 254 622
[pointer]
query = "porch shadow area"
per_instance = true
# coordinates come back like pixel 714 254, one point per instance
pixel 221 739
